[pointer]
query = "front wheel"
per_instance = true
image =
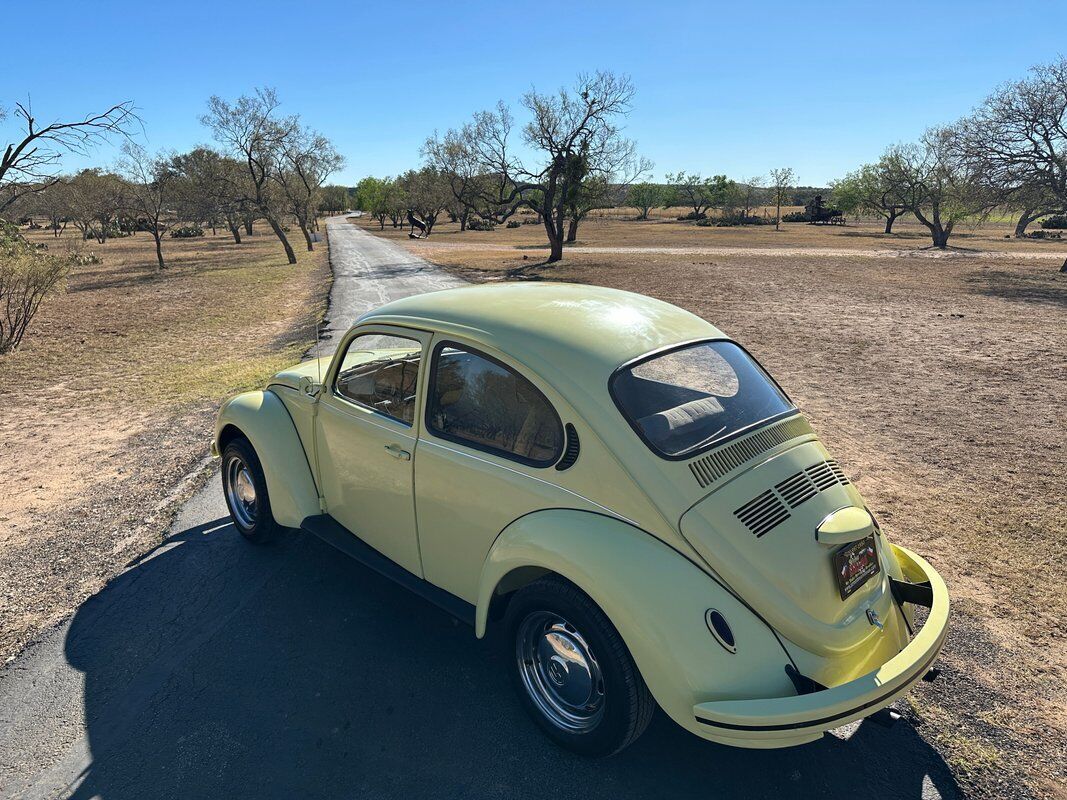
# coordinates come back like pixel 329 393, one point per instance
pixel 245 490
pixel 572 670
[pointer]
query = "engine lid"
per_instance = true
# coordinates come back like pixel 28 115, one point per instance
pixel 761 532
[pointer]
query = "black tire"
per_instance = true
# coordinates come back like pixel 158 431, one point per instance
pixel 623 705
pixel 255 522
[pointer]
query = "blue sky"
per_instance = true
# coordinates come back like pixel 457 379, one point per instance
pixel 733 88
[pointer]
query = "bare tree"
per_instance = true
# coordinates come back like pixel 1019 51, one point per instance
pixel 574 135
pixel 751 194
pixel 29 165
pixel 151 183
pixel 308 160
pixel 251 128
pixel 938 184
pixel 1017 138
pixel 1032 202
pixel 782 180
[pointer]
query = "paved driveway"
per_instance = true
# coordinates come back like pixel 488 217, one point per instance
pixel 212 668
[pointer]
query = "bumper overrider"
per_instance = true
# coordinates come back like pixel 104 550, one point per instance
pixel 784 721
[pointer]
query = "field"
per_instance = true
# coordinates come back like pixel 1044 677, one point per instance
pixel 939 380
pixel 110 402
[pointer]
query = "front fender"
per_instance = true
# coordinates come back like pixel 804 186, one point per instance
pixel 657 601
pixel 263 419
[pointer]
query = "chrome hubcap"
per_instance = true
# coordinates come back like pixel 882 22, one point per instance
pixel 241 492
pixel 559 672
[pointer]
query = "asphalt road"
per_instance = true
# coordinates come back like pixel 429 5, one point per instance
pixel 213 668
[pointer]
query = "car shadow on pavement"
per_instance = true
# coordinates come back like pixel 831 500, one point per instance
pixel 213 668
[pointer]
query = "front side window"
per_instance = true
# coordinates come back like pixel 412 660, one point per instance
pixel 477 401
pixel 685 400
pixel 381 372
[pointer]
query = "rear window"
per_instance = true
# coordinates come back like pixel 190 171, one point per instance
pixel 688 399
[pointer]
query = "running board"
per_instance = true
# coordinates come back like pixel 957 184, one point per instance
pixel 334 533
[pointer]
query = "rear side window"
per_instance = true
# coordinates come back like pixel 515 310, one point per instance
pixel 686 400
pixel 477 401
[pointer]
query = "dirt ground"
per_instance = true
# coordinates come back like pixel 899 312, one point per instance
pixel 109 403
pixel 939 380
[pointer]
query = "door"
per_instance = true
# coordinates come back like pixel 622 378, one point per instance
pixel 486 455
pixel 366 434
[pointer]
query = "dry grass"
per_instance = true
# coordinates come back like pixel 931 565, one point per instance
pixel 939 381
pixel 110 399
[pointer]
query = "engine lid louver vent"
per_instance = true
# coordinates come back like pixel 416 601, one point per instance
pixel 710 467
pixel 771 508
pixel 762 513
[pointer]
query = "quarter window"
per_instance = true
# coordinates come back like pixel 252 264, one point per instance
pixel 381 372
pixel 477 401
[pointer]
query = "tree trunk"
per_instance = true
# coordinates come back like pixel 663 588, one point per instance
pixel 572 230
pixel 778 216
pixel 307 235
pixel 159 248
pixel 555 239
pixel 891 218
pixel 1025 218
pixel 248 226
pixel 274 226
pixel 236 231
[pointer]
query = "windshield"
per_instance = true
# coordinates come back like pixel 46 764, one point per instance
pixel 685 400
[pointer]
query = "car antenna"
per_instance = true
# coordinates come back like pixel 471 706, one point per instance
pixel 318 352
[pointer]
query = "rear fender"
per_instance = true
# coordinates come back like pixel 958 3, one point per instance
pixel 655 598
pixel 262 418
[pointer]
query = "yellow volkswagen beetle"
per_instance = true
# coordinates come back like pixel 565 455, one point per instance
pixel 615 485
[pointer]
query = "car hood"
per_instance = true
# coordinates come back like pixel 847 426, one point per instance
pixel 291 377
pixel 750 532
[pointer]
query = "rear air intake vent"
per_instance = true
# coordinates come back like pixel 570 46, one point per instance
pixel 709 468
pixel 570 453
pixel 762 513
pixel 804 485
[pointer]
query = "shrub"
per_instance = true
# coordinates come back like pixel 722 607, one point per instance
pixel 733 220
pixel 187 232
pixel 27 277
pixel 1055 221
pixel 796 216
pixel 479 224
pixel 514 223
pixel 693 215
pixel 531 220
pixel 111 231
pixel 80 259
pixel 1044 235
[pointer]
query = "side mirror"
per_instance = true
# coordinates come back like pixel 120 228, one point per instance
pixel 310 386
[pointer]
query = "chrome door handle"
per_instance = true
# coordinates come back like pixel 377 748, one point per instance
pixel 396 451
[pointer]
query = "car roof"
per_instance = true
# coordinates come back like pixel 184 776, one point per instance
pixel 561 330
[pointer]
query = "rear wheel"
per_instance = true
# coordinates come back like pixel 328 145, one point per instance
pixel 572 670
pixel 245 490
